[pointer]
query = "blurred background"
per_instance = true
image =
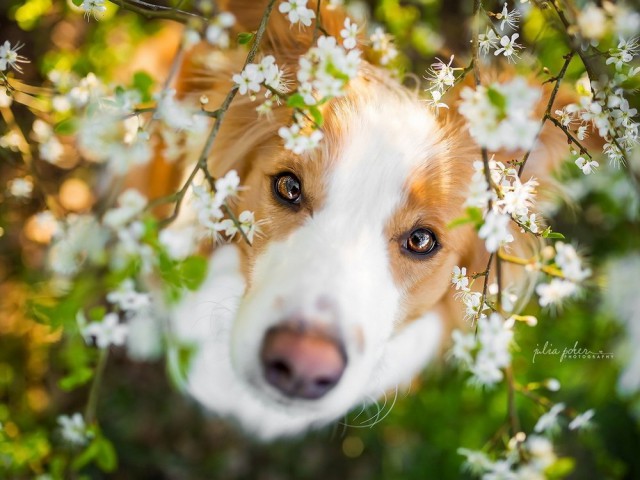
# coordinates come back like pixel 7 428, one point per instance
pixel 159 434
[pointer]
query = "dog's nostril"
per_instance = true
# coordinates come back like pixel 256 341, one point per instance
pixel 303 364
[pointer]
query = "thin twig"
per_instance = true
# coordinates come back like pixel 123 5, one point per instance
pixel 152 11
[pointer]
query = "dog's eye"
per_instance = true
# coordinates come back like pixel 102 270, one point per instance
pixel 421 241
pixel 287 188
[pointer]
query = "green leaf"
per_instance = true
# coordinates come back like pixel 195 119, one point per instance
pixel 76 379
pixel 143 82
pixel 317 115
pixel 77 3
pixel 296 101
pixel 66 127
pixel 555 235
pixel 244 38
pixel 87 455
pixel 106 457
pixel 193 271
pixel 497 100
pixel 560 468
pixel 473 215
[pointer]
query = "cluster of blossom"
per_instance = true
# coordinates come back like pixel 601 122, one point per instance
pixel 500 41
pixel 604 108
pixel 487 353
pixel 525 457
pixel 95 8
pixel 510 199
pixel 255 75
pixel 499 116
pixel 297 11
pixel 595 22
pixel 382 44
pixel 441 77
pixel 323 73
pixel 571 273
pixel 208 207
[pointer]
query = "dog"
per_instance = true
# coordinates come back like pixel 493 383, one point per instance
pixel 345 294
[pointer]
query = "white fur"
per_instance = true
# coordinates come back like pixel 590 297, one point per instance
pixel 339 254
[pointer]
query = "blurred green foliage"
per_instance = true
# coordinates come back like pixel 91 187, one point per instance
pixel 150 431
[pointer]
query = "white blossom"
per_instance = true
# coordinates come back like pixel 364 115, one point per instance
pixel 592 22
pixel 509 47
pixel 495 231
pixel 93 7
pixel 509 18
pixel 549 421
pixel 459 278
pixel 127 298
pixel 10 58
pixel 130 203
pixel 382 43
pixel 217 31
pixel 582 420
pixel 21 187
pixel 499 116
pixel 554 292
pixel 73 429
pixel 297 11
pixel 349 34
pixel 487 41
pixel 179 244
pixel 107 332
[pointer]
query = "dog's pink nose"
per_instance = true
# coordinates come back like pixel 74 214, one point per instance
pixel 303 364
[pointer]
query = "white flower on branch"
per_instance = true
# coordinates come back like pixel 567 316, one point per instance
pixel 247 223
pixel 179 244
pixel 554 292
pixel 548 422
pixel 592 22
pixel 476 462
pixel 568 260
pixel 10 58
pixel 509 47
pixel 495 231
pixel 217 33
pixel 435 102
pixel 107 332
pixel 508 18
pixel 441 75
pixel 298 141
pixel 463 346
pixel 297 12
pixel 73 429
pixel 130 204
pixel 93 7
pixel 460 279
pixel 487 41
pixel 382 44
pixel 248 80
pixel 127 298
pixel 627 49
pixel 499 116
pixel 349 34
pixel 582 420
pixel 587 166
pixel 80 238
pixel 178 115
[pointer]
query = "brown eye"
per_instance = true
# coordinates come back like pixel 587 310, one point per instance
pixel 287 188
pixel 421 241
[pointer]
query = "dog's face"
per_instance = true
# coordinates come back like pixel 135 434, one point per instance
pixel 354 245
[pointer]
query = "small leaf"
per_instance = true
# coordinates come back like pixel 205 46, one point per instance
pixel 143 82
pixel 561 468
pixel 106 458
pixel 77 3
pixel 66 127
pixel 555 235
pixel 317 115
pixel 76 379
pixel 193 271
pixel 244 38
pixel 498 100
pixel 296 101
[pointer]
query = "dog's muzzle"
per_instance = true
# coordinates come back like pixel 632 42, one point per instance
pixel 302 362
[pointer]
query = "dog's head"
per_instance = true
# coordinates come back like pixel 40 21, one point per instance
pixel 354 245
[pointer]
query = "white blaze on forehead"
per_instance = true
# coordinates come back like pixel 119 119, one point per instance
pixel 382 147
